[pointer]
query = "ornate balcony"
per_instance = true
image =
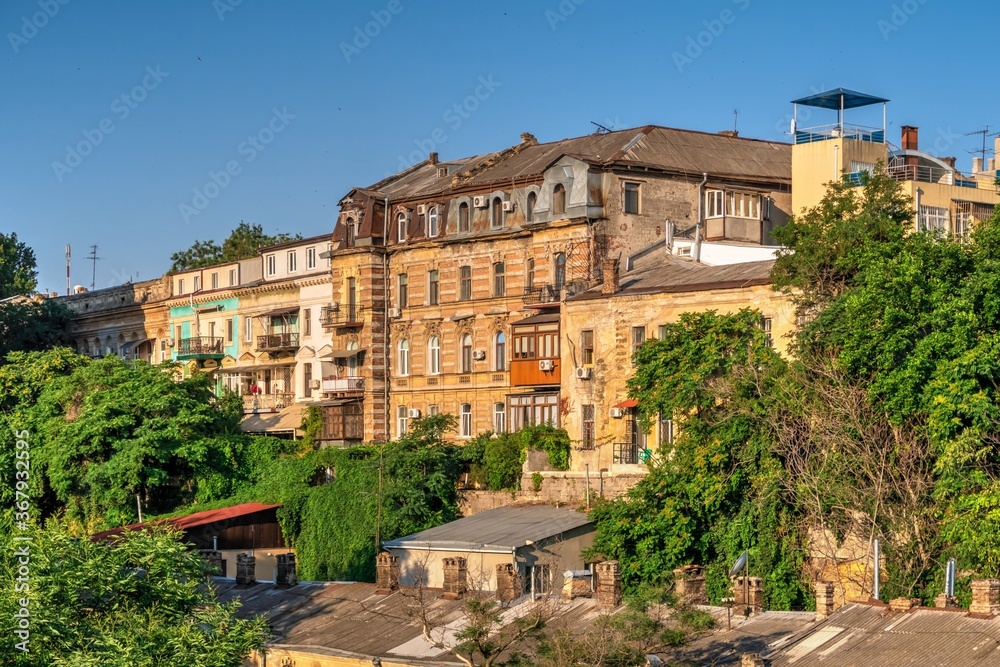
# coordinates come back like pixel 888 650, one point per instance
pixel 542 296
pixel 200 347
pixel 343 317
pixel 278 342
pixel 267 402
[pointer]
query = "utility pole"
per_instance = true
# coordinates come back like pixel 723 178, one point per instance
pixel 67 271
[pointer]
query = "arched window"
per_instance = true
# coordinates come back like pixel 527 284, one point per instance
pixel 432 221
pixel 496 215
pixel 351 232
pixel 500 352
pixel 558 199
pixel 352 361
pixel 404 358
pixel 401 227
pixel 466 353
pixel 560 278
pixel 434 356
pixel 463 217
pixel 529 210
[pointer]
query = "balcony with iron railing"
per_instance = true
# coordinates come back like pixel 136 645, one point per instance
pixel 808 135
pixel 267 402
pixel 542 295
pixel 923 173
pixel 350 315
pixel 343 385
pixel 200 347
pixel 278 342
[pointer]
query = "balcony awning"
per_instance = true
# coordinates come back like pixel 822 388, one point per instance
pixel 253 367
pixel 628 403
pixel 839 98
pixel 134 343
pixel 342 354
pixel 280 311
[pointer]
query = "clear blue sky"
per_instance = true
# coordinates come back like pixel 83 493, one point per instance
pixel 200 77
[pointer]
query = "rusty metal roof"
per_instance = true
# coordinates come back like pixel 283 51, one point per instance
pixel 193 520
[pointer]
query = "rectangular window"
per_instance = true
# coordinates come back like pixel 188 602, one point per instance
pixel 631 203
pixel 661 332
pixel 433 288
pixel 402 420
pixel 307 378
pixel 311 258
pixel 178 332
pixel 765 326
pixel 589 436
pixel 248 329
pixel 499 418
pixel 293 261
pixel 271 263
pixel 307 322
pixel 215 280
pixel 714 204
pixel 533 409
pixel 465 426
pixel 232 277
pixel 638 338
pixel 197 283
pixel 666 430
pixel 465 283
pixel 499 279
pixel 743 205
pixel 403 293
pixel 432 409
pixel 587 347
pixel 229 331
pixel 933 219
pixel 180 286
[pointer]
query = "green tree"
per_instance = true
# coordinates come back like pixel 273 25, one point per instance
pixel 33 325
pixel 242 243
pixel 139 601
pixel 18 276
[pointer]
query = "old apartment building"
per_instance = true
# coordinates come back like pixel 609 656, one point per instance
pixel 450 278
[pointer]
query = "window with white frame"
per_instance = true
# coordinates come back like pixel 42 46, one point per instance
pixel 215 280
pixel 401 227
pixel 232 277
pixel 743 205
pixel 933 219
pixel 666 430
pixel 499 418
pixel 271 264
pixel 465 423
pixel 197 283
pixel 432 410
pixel 466 356
pixel 433 221
pixel 638 338
pixel 248 329
pixel 434 356
pixel 500 352
pixel 715 204
pixel 293 261
pixel 311 258
pixel 404 358
pixel 765 326
pixel 180 286
pixel 307 322
pixel 402 420
pixel 230 324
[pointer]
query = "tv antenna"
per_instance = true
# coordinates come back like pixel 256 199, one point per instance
pixel 601 129
pixel 93 258
pixel 736 120
pixel 985 132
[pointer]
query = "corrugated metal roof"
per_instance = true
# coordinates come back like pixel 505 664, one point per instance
pixel 501 529
pixel 193 520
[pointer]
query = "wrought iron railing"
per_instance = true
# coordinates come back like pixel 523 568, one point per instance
pixel 199 345
pixel 541 294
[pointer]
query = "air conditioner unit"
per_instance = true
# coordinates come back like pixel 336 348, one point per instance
pixel 583 373
pixel 421 209
pixel 508 206
pixel 394 312
pixel 414 413
pixel 314 384
pixel 481 202
pixel 479 355
pixel 545 365
pixel 617 413
pixel 170 342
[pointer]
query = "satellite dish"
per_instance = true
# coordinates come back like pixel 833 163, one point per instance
pixel 738 566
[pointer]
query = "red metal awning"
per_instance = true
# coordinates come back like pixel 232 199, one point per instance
pixel 628 403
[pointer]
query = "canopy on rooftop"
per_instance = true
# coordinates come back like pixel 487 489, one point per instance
pixel 839 98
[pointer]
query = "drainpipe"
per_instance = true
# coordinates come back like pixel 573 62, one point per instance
pixel 916 206
pixel 385 318
pixel 701 217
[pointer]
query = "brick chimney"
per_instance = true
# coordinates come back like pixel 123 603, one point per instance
pixel 752 660
pixel 508 582
pixel 749 594
pixel 577 584
pixel 213 559
pixel 246 566
pixel 609 584
pixel 903 604
pixel 456 577
pixel 286 570
pixel 977 164
pixel 610 284
pixel 944 602
pixel 386 573
pixel 909 138
pixel 985 596
pixel 689 584
pixel 528 139
pixel 432 157
pixel 824 599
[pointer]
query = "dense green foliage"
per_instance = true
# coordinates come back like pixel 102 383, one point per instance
pixel 18 275
pixel 496 460
pixel 242 243
pixel 31 326
pixel 137 602
pixel 883 424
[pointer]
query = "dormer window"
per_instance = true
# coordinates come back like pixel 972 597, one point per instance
pixel 559 199
pixel 350 238
pixel 529 209
pixel 401 227
pixel 432 221
pixel 463 217
pixel 496 213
